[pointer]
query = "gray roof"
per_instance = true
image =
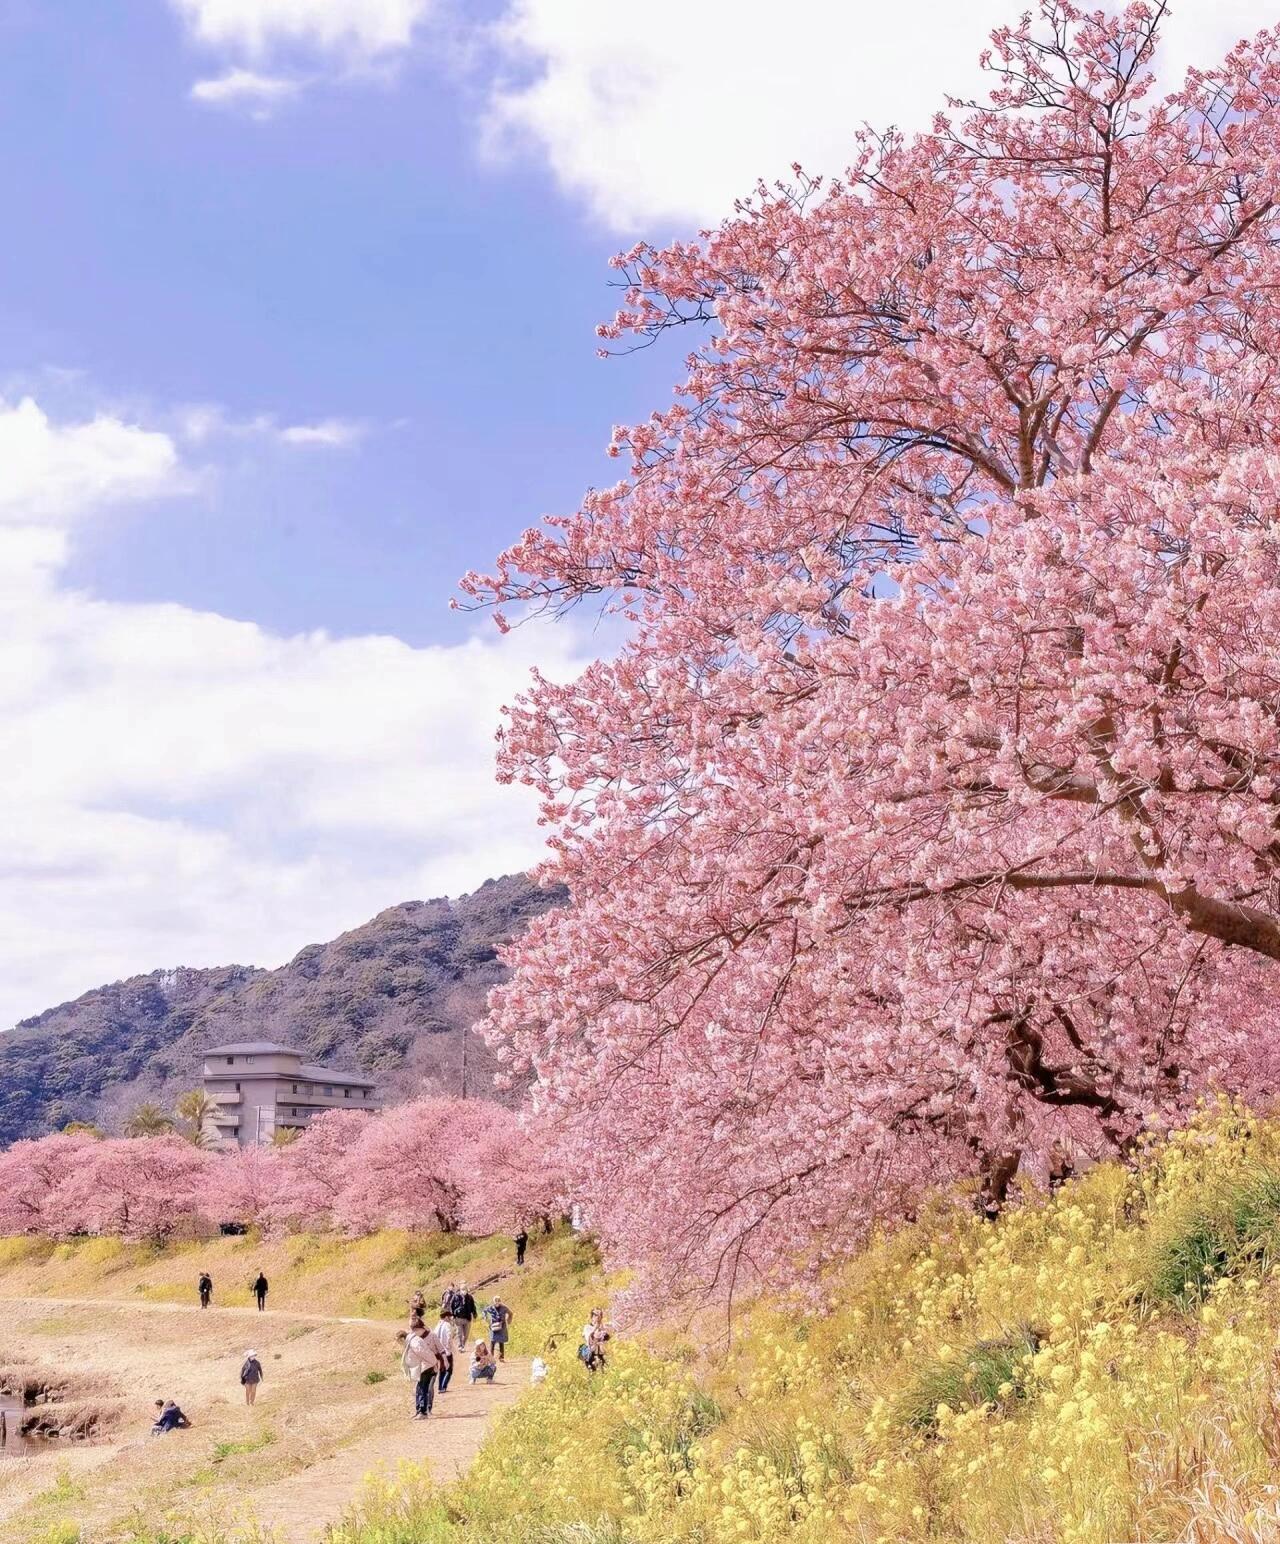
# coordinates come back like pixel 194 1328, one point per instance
pixel 335 1075
pixel 251 1048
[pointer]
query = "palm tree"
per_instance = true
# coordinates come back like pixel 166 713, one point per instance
pixel 148 1120
pixel 195 1107
pixel 83 1128
pixel 283 1135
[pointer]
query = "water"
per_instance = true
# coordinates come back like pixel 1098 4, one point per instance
pixel 12 1442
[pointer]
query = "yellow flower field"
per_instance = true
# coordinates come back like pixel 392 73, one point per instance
pixel 1095 1367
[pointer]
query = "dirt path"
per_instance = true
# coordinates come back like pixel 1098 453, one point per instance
pixel 334 1406
pixel 299 1509
pixel 211 1314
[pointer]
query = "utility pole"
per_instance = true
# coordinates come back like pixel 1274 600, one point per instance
pixel 464 1063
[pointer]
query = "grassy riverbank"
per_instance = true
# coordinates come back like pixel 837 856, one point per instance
pixel 119 1322
pixel 1093 1368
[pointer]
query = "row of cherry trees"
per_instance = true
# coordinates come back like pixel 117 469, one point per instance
pixel 433 1164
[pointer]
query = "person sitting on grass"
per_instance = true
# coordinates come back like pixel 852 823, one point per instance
pixel 169 1419
pixel 483 1365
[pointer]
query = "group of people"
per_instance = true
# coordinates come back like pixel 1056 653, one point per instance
pixel 258 1286
pixel 428 1358
pixel 429 1353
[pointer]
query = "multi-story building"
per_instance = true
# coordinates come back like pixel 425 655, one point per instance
pixel 259 1088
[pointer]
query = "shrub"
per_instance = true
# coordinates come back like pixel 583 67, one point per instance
pixel 1235 1227
pixel 992 1372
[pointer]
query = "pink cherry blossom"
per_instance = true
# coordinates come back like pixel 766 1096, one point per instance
pixel 930 811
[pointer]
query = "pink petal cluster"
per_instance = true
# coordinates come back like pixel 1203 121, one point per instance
pixel 434 1164
pixel 930 813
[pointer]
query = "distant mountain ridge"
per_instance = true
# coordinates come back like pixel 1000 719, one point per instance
pixel 396 997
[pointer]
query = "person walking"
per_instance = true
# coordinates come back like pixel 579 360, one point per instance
pixel 444 1339
pixel 456 1306
pixel 483 1367
pixel 251 1376
pixel 205 1287
pixel 260 1292
pixel 421 1362
pixel 463 1314
pixel 498 1317
pixel 418 1305
pixel 522 1243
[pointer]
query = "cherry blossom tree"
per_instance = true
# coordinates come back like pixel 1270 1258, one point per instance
pixel 247 1186
pixel 929 812
pixel 135 1187
pixel 411 1166
pixel 30 1174
pixel 513 1175
pixel 316 1168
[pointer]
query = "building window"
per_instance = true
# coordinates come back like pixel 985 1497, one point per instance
pixel 295 1088
pixel 248 1058
pixel 237 1088
pixel 231 1061
pixel 346 1093
pixel 328 1088
pixel 366 1093
pixel 235 1131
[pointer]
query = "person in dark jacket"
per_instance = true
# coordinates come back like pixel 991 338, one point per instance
pixel 170 1418
pixel 205 1288
pixel 463 1314
pixel 522 1243
pixel 260 1292
pixel 250 1376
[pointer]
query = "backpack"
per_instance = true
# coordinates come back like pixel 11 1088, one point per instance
pixel 585 1353
pixel 457 1305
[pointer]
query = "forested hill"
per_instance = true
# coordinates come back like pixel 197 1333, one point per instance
pixel 395 997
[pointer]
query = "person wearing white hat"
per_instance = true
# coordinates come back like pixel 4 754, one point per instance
pixel 251 1376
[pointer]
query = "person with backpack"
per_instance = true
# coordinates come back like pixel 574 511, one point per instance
pixel 205 1288
pixel 498 1317
pixel 250 1376
pixel 462 1310
pixel 522 1243
pixel 260 1292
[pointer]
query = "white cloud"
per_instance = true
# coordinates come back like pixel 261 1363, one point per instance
pixel 204 421
pixel 58 473
pixel 186 788
pixel 668 113
pixel 329 431
pixel 256 27
pixel 259 94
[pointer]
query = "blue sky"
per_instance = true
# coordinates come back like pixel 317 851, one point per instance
pixel 297 302
pixel 356 257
